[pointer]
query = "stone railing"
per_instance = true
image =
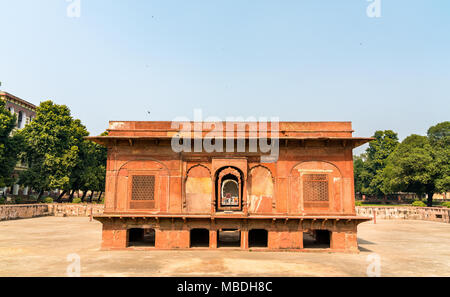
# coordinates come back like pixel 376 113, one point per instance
pixel 23 211
pixel 75 210
pixel 12 212
pixel 437 214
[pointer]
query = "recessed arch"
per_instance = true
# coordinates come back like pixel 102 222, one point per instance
pixel 260 188
pixel 197 190
pixel 225 175
pixel 144 159
pixel 260 166
pixel 163 168
pixel 196 166
pixel 316 186
pixel 308 161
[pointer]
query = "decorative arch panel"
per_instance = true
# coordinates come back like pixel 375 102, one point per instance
pixel 198 190
pixel 260 189
pixel 317 186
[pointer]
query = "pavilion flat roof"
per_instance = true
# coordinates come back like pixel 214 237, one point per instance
pixel 232 216
pixel 302 131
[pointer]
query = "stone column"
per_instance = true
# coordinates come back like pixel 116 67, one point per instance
pixel 244 239
pixel 25 191
pixel 213 235
pixel 114 235
pixel 344 241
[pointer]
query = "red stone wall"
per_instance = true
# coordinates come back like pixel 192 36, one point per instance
pixel 273 188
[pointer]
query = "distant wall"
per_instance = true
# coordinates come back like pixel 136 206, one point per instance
pixel 437 214
pixel 25 211
pixel 75 210
pixel 14 212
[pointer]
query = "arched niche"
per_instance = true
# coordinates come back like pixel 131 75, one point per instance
pixel 260 189
pixel 316 187
pixel 229 184
pixel 198 190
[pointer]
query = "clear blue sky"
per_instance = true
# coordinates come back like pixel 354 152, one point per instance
pixel 299 60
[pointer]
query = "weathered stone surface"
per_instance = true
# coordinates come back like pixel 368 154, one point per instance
pixel 75 210
pixel 437 214
pixel 308 187
pixel 14 212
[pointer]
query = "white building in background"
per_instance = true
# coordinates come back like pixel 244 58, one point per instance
pixel 25 113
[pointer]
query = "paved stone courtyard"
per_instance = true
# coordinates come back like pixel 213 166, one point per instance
pixel 39 247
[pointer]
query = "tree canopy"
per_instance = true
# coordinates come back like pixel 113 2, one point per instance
pixel 439 137
pixel 419 164
pixel 90 169
pixel 369 166
pixel 411 168
pixel 51 147
pixel 9 145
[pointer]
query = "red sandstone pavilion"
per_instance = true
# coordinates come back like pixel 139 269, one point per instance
pixel 163 198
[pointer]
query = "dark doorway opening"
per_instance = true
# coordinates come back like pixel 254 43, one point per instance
pixel 199 238
pixel 258 238
pixel 141 237
pixel 229 238
pixel 319 239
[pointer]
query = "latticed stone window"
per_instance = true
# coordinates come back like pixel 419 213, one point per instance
pixel 315 187
pixel 143 188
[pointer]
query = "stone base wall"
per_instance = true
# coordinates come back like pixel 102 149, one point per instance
pixel 14 212
pixel 175 233
pixel 436 214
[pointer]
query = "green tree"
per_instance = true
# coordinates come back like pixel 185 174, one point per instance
pixel 89 174
pixel 421 164
pixel 439 137
pixel 10 144
pixel 360 173
pixel 369 166
pixel 411 168
pixel 51 147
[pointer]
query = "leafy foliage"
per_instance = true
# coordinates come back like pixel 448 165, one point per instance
pixel 439 137
pixel 10 144
pixel 51 147
pixel 369 166
pixel 90 170
pixel 421 164
pixel 418 203
pixel 48 200
pixel 410 167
